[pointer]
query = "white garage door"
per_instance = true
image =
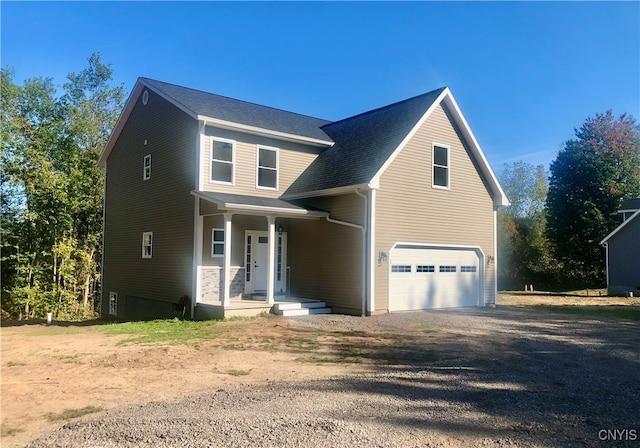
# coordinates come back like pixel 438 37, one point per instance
pixel 423 278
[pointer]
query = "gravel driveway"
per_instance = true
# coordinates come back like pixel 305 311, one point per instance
pixel 503 377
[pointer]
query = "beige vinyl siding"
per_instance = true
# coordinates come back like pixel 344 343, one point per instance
pixel 346 207
pixel 326 258
pixel 162 205
pixel 293 159
pixel 409 209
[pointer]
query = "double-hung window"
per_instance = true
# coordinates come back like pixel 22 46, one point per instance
pixel 267 167
pixel 113 303
pixel 440 166
pixel 147 244
pixel 217 242
pixel 222 160
pixel 146 167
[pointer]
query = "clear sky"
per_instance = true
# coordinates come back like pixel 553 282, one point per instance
pixel 524 74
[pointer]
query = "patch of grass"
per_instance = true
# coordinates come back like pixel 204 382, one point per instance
pixel 70 359
pixel 234 372
pixel 15 363
pixel 595 311
pixel 303 343
pixel 54 331
pixel 426 328
pixel 173 331
pixel 7 431
pixel 69 414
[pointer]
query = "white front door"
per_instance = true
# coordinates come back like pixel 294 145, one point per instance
pixel 257 259
pixel 260 261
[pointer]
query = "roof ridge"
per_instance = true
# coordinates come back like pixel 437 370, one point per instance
pixel 439 90
pixel 236 99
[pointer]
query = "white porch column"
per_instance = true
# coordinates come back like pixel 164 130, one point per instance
pixel 271 262
pixel 226 299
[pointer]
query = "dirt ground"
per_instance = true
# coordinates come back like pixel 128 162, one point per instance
pixel 47 370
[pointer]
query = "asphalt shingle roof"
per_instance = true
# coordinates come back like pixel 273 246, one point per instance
pixel 228 200
pixel 363 144
pixel 238 111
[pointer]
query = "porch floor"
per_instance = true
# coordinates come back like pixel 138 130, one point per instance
pixel 244 307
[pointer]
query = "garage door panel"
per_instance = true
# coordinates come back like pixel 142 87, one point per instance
pixel 424 278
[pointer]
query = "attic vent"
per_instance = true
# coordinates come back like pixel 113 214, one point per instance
pixel 145 97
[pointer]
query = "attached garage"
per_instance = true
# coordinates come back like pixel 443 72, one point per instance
pixel 426 277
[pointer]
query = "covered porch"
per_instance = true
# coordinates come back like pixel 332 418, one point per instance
pixel 241 255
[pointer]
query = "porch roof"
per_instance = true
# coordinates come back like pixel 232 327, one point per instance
pixel 236 203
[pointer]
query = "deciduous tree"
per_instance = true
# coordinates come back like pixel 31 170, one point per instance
pixel 590 177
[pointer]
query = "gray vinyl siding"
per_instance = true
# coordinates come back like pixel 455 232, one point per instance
pixel 409 209
pixel 326 258
pixel 294 158
pixel 624 260
pixel 162 205
pixel 239 224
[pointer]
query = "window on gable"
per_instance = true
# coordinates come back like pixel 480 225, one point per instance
pixel 217 242
pixel 267 167
pixel 147 244
pixel 222 158
pixel 146 168
pixel 113 303
pixel 440 166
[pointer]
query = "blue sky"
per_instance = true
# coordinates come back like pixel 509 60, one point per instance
pixel 524 74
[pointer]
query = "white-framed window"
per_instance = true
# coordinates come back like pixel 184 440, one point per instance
pixel 146 167
pixel 217 242
pixel 113 303
pixel 267 168
pixel 223 153
pixel 441 166
pixel 425 268
pixel 147 244
pixel 468 269
pixel 448 269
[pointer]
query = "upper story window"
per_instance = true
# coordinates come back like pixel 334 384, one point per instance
pixel 267 167
pixel 146 168
pixel 440 166
pixel 222 160
pixel 147 244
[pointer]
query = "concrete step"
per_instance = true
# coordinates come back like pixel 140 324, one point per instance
pixel 302 311
pixel 299 305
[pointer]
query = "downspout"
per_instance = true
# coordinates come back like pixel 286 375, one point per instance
pixel 364 254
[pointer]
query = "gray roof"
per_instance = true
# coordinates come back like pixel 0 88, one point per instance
pixel 363 144
pixel 227 201
pixel 630 204
pixel 238 111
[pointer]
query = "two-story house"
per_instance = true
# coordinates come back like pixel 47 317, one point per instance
pixel 221 200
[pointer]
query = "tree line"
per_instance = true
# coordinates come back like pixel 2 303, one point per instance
pixel 52 190
pixel 550 235
pixel 52 196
